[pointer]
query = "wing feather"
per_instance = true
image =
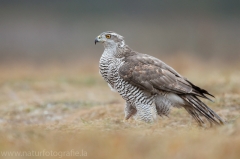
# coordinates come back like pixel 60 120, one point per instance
pixel 153 75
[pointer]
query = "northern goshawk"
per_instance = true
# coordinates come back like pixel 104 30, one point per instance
pixel 149 86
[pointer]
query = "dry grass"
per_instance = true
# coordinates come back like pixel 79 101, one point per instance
pixel 71 108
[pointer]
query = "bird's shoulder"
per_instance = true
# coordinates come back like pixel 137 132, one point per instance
pixel 150 73
pixel 135 60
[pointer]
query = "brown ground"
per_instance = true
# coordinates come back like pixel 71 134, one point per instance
pixel 63 109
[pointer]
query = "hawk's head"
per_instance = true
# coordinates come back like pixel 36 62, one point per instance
pixel 110 39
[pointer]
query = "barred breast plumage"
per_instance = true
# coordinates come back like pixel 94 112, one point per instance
pixel 136 99
pixel 148 85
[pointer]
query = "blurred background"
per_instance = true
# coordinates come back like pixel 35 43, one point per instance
pixel 52 97
pixel 64 30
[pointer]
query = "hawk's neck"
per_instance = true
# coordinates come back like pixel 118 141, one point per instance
pixel 116 51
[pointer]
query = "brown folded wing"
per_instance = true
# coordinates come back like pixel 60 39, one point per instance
pixel 153 75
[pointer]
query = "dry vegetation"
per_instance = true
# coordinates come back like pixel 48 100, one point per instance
pixel 56 108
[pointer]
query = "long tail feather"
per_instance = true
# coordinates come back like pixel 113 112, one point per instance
pixel 196 108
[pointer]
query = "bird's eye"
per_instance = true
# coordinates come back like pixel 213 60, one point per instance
pixel 108 36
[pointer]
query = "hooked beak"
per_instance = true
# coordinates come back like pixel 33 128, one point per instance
pixel 97 40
